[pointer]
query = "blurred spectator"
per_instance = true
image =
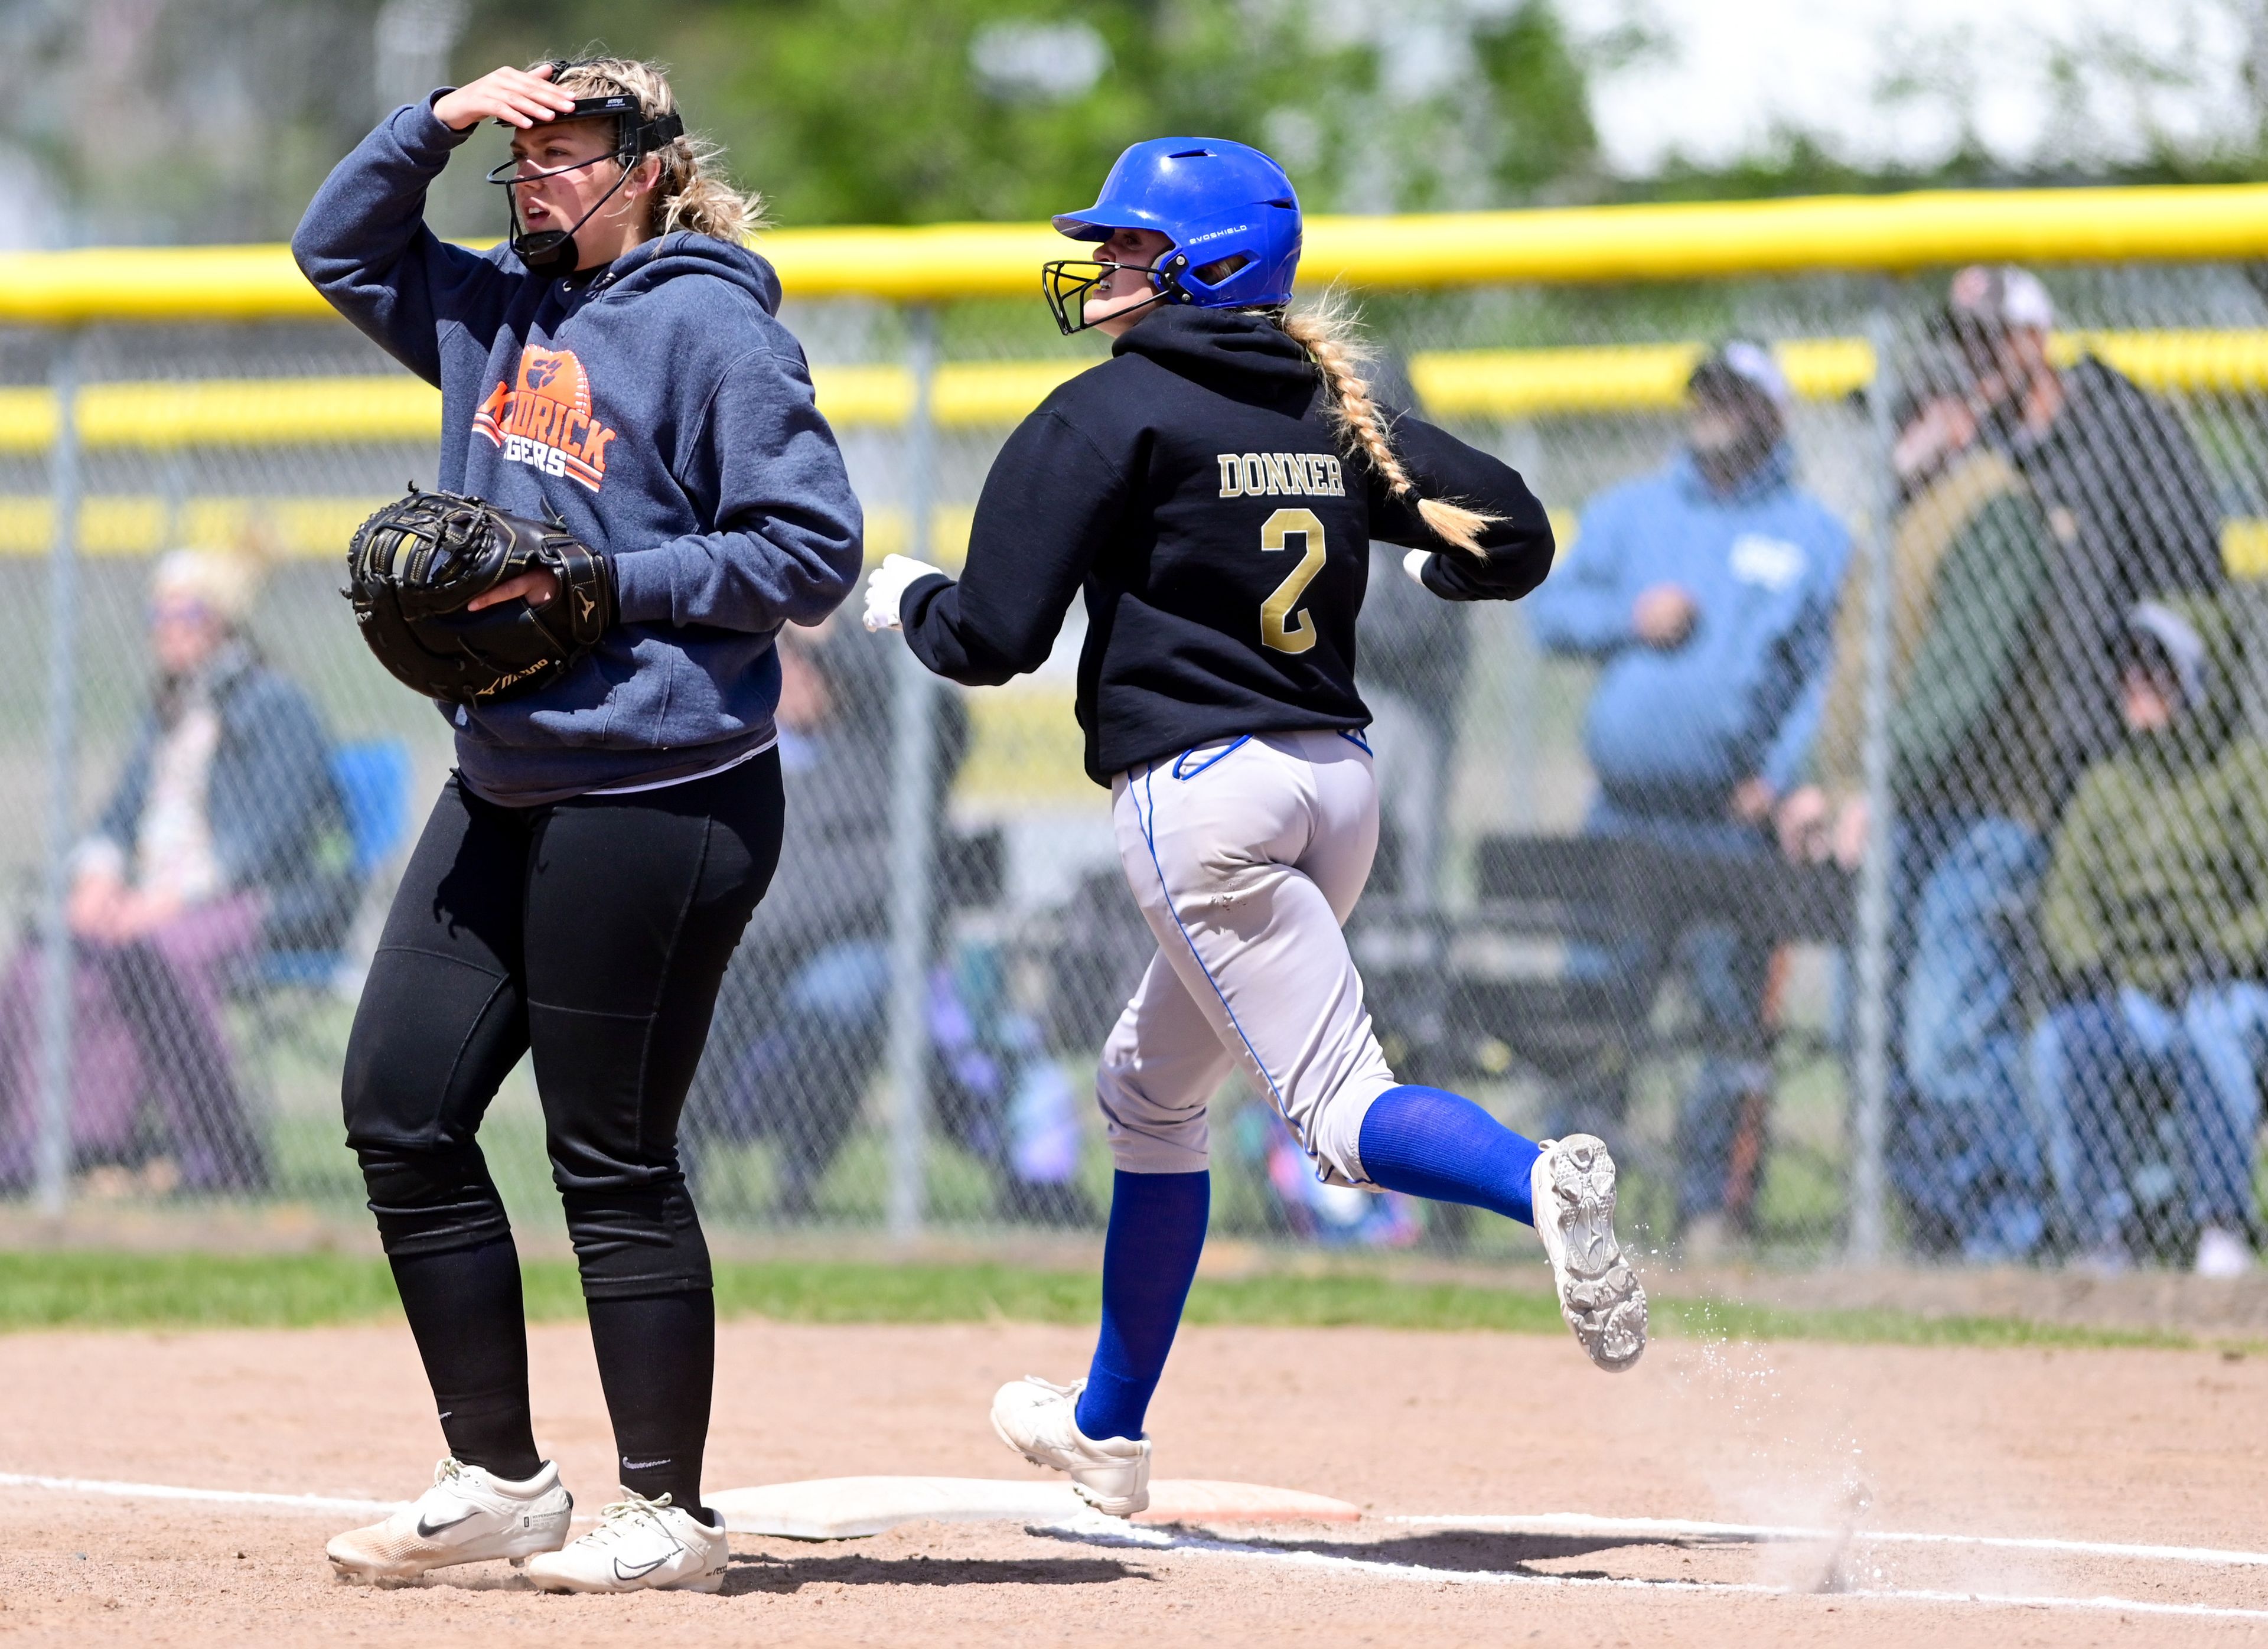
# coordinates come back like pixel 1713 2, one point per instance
pixel 224 835
pixel 1706 593
pixel 1972 776
pixel 802 1015
pixel 1997 717
pixel 1945 475
pixel 1961 502
pixel 803 1020
pixel 2128 498
pixel 1329 1216
pixel 1412 651
pixel 2155 924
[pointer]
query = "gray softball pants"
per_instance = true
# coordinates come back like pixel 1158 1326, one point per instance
pixel 1247 856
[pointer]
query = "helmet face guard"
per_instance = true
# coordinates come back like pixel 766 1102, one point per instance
pixel 1066 284
pixel 637 134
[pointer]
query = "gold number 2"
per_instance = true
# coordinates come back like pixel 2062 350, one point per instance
pixel 1280 627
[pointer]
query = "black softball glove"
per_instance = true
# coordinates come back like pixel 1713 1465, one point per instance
pixel 413 566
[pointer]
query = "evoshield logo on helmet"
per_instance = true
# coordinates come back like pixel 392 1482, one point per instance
pixel 1230 211
pixel 636 136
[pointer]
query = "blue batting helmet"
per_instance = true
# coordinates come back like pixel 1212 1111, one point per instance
pixel 1230 211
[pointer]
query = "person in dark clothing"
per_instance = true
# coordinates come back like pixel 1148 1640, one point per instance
pixel 1413 656
pixel 223 837
pixel 2012 697
pixel 1971 770
pixel 2154 928
pixel 1213 490
pixel 2126 495
pixel 589 867
pixel 803 1017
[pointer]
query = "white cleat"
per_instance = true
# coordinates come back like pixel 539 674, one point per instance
pixel 1039 1419
pixel 1572 1185
pixel 469 1515
pixel 640 1545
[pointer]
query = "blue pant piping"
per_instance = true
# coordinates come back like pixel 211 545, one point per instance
pixel 1180 772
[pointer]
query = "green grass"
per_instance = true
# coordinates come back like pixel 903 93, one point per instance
pixel 41 1289
pixel 47 1289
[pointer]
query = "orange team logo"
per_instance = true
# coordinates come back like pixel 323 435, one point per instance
pixel 544 419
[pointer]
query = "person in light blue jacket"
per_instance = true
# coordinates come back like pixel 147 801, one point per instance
pixel 1706 593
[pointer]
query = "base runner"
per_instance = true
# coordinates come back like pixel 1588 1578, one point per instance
pixel 1213 488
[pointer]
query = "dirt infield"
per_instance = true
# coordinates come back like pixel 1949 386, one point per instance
pixel 2107 1446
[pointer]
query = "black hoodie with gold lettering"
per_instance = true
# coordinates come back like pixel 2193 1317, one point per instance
pixel 1191 487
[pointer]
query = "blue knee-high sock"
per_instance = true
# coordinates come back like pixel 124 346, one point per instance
pixel 1157 1231
pixel 1431 1144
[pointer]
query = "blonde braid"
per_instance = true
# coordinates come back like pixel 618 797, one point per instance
pixel 1327 332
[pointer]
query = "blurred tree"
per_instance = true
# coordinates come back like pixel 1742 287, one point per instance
pixel 181 120
pixel 904 111
pixel 204 120
pixel 212 120
pixel 1538 89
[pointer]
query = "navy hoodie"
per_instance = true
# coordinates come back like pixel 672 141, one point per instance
pixel 659 407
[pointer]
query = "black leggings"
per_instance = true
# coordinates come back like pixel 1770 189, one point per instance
pixel 593 933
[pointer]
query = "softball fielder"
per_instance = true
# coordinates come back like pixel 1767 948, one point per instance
pixel 1213 489
pixel 615 367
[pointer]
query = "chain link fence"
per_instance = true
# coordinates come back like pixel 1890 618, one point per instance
pixel 1895 884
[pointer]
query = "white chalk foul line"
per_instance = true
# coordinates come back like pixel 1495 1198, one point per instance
pixel 1581 1523
pixel 212 1496
pixel 1093 1532
pixel 1100 1530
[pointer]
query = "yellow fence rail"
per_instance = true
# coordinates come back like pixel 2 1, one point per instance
pixel 128 526
pixel 1610 378
pixel 141 524
pixel 949 262
pixel 1451 384
pixel 229 412
pixel 1629 378
pixel 138 524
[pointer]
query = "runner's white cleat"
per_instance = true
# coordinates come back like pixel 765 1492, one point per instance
pixel 1572 1185
pixel 1039 1419
pixel 469 1515
pixel 640 1545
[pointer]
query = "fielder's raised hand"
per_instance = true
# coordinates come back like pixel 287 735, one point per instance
pixel 518 97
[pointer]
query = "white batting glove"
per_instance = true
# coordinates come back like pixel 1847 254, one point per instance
pixel 886 586
pixel 1414 564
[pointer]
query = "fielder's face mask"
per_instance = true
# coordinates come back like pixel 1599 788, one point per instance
pixel 552 251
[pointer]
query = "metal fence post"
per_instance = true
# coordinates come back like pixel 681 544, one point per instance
pixel 913 825
pixel 1870 1114
pixel 52 1161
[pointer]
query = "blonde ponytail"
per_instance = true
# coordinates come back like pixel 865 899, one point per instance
pixel 1326 331
pixel 689 194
